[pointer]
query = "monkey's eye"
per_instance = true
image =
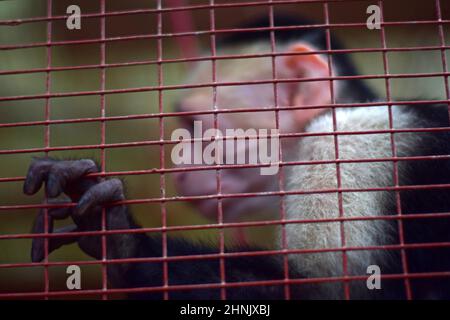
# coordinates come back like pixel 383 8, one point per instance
pixel 187 122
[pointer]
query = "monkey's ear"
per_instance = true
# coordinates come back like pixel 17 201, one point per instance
pixel 307 65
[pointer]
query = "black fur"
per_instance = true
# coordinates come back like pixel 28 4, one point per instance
pixel 206 271
pixel 428 230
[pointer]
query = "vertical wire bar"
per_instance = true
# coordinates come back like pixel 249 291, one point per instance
pixel 48 85
pixel 394 154
pixel 162 178
pixel 212 21
pixel 281 176
pixel 103 139
pixel 443 56
pixel 336 151
pixel 182 21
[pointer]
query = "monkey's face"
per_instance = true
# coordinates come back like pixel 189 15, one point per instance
pixel 230 99
pixel 243 106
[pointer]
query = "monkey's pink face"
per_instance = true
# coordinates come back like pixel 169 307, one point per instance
pixel 243 108
pixel 245 97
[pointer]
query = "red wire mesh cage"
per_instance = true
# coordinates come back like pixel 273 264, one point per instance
pixel 109 91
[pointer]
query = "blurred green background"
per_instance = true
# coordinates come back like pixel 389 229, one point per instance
pixel 135 158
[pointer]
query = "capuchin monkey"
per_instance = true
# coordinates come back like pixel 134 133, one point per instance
pixel 326 191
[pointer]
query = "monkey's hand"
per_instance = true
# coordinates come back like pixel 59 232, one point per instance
pixel 90 194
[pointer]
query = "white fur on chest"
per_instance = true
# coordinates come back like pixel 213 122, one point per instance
pixel 363 175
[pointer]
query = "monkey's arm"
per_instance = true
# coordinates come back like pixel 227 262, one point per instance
pixel 91 194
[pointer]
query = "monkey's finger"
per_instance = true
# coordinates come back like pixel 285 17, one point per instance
pixel 37 174
pixel 58 242
pixel 62 212
pixel 100 194
pixel 63 173
pixel 38 246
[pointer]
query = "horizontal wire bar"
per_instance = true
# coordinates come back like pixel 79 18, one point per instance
pixel 210 32
pixel 244 166
pixel 193 140
pixel 227 255
pixel 226 285
pixel 229 225
pixel 212 84
pixel 215 111
pixel 218 196
pixel 14 22
pixel 223 57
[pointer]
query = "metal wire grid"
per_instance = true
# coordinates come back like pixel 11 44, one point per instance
pixel 159 10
